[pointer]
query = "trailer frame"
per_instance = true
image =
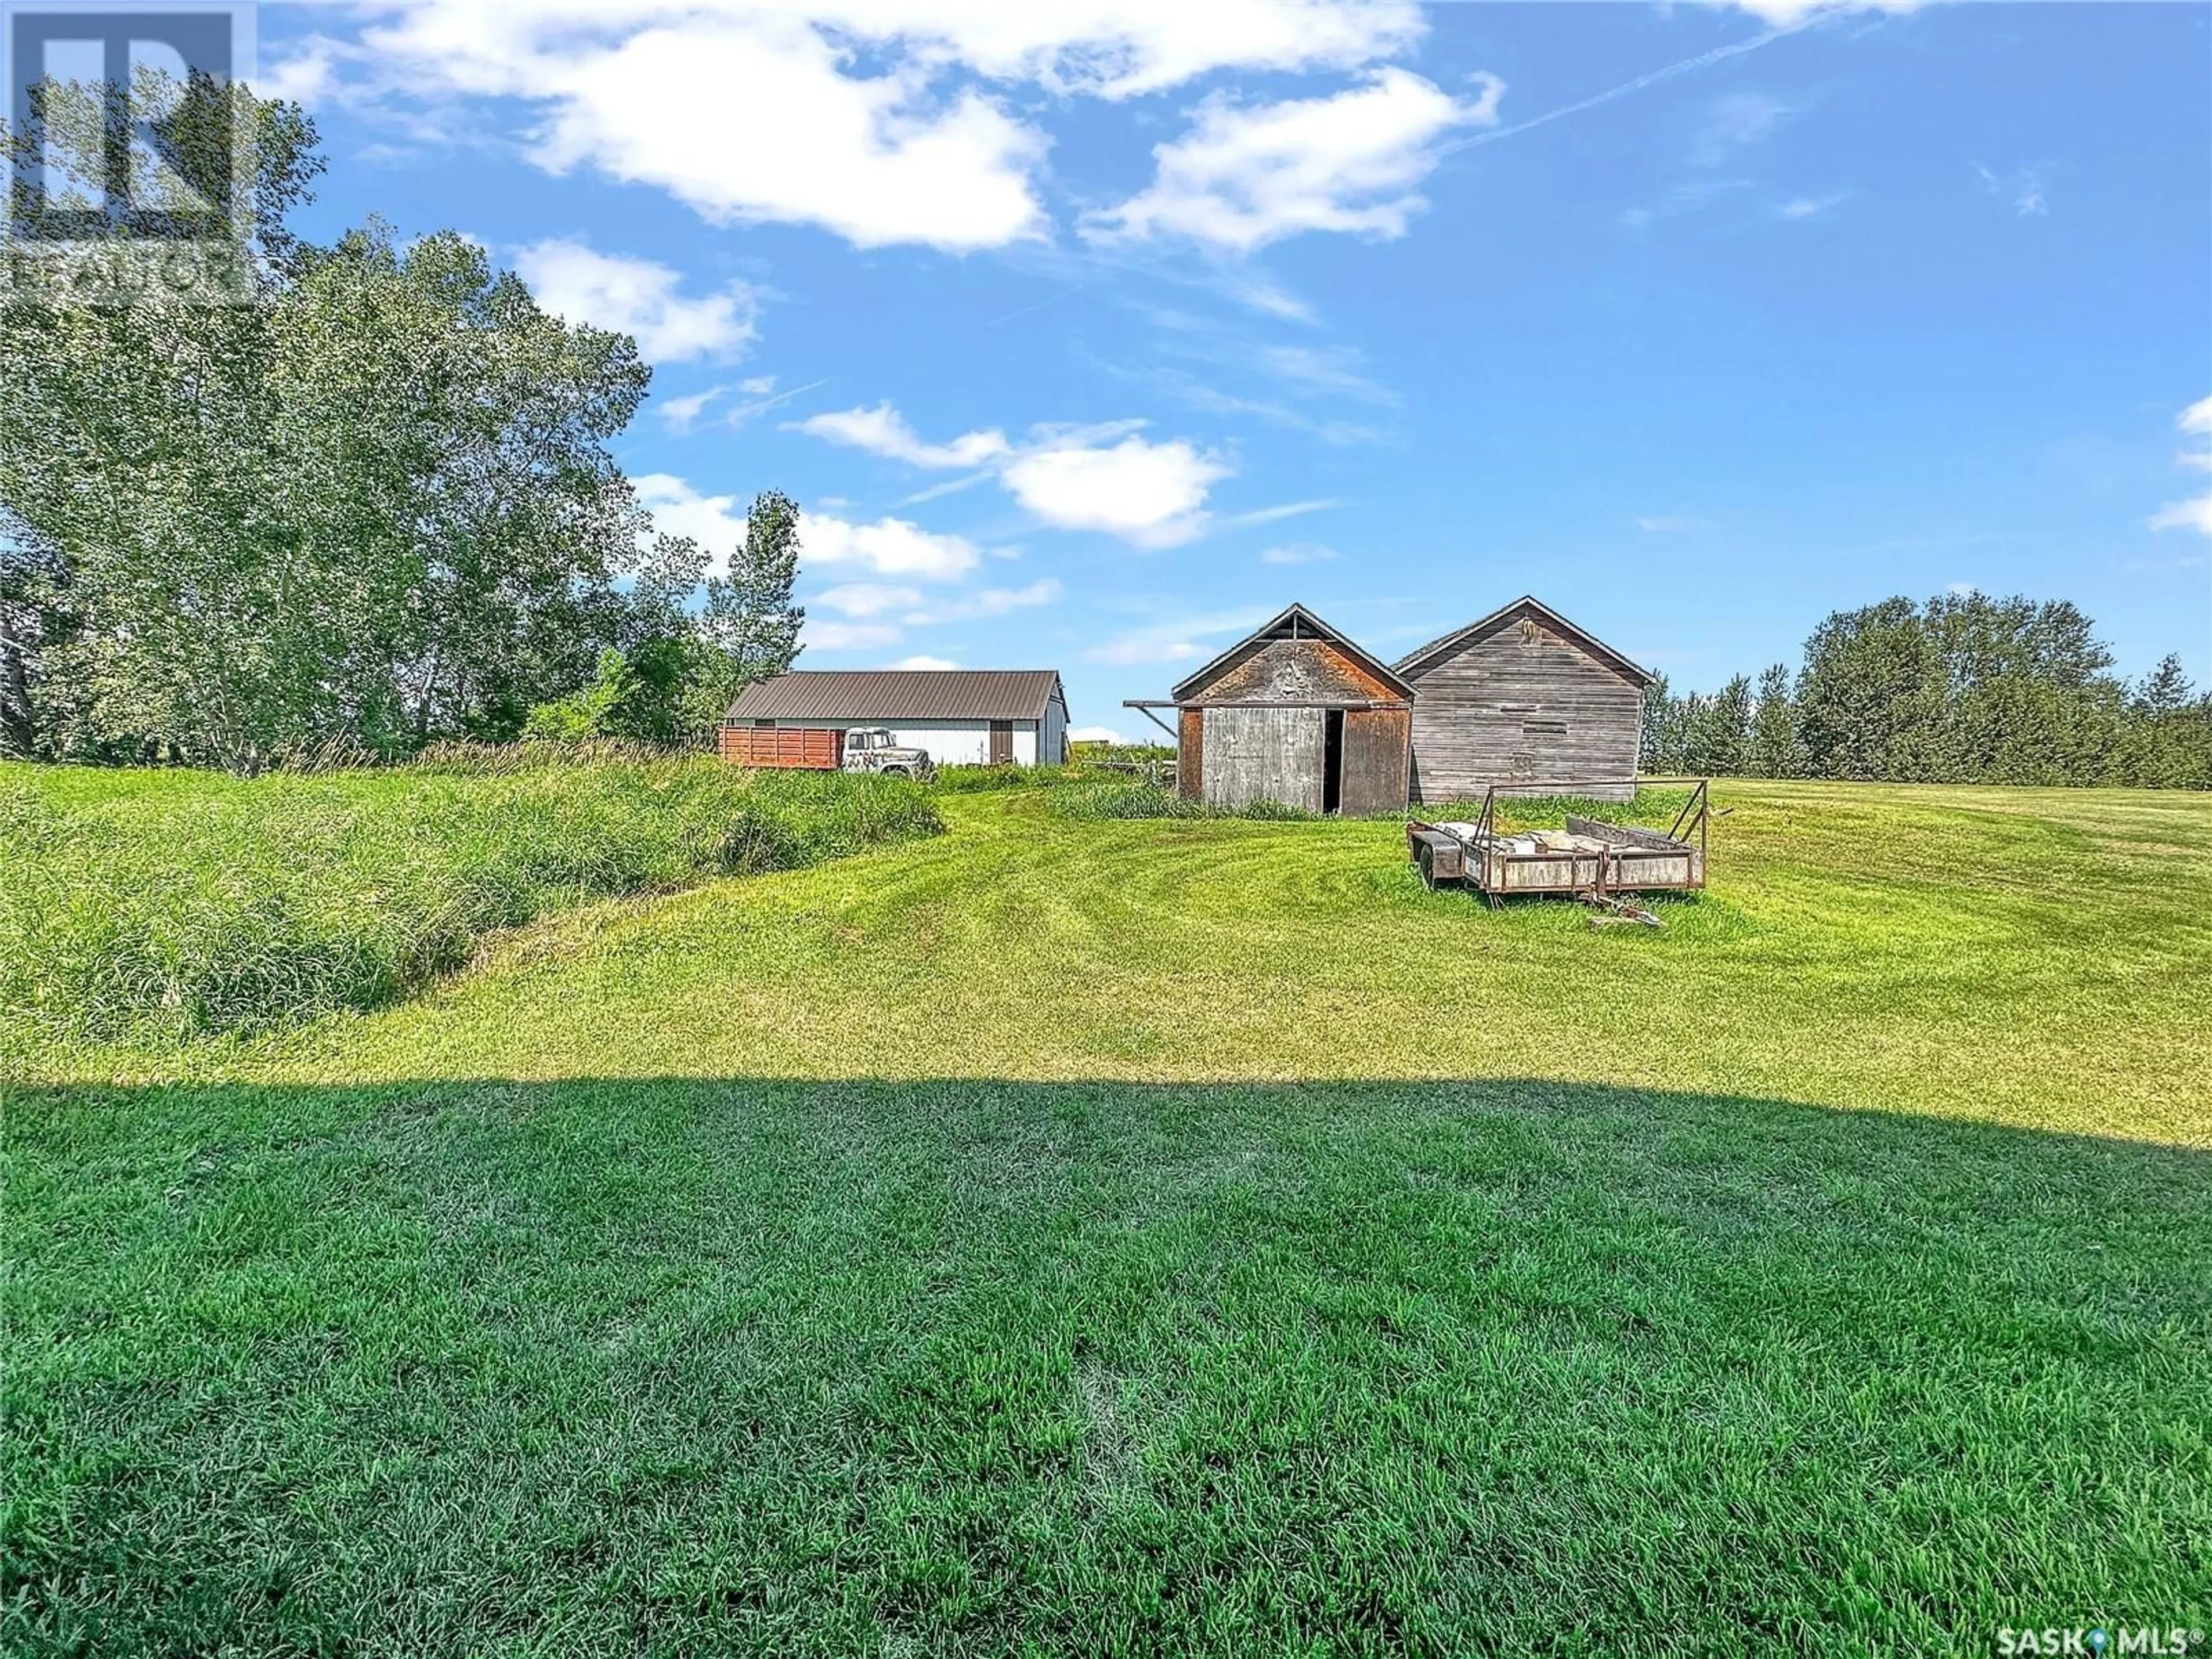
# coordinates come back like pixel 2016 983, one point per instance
pixel 1632 860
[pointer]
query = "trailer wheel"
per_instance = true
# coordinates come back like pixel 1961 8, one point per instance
pixel 1425 856
pixel 896 772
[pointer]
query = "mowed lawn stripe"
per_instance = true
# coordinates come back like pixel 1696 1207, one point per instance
pixel 1127 1238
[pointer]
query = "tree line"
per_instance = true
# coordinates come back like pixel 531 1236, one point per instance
pixel 1964 689
pixel 372 505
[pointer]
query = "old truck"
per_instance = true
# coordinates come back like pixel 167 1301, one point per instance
pixel 862 748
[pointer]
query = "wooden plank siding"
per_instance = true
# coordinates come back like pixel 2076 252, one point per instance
pixel 1521 704
pixel 1296 671
pixel 1263 753
pixel 1294 713
pixel 1190 753
pixel 1374 760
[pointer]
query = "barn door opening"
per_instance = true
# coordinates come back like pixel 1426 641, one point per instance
pixel 1002 743
pixel 1332 760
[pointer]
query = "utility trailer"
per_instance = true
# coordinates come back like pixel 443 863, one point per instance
pixel 1589 859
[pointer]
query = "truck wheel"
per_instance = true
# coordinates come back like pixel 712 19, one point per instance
pixel 896 772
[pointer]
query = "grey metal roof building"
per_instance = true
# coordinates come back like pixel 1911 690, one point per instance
pixel 888 696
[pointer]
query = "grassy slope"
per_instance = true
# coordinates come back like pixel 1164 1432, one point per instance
pixel 1084 1235
pixel 161 904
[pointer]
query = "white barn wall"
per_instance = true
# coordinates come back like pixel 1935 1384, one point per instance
pixel 949 743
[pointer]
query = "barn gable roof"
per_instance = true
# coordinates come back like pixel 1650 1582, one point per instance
pixel 1414 666
pixel 865 695
pixel 1294 623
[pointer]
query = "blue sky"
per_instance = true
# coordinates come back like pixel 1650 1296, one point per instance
pixel 1090 334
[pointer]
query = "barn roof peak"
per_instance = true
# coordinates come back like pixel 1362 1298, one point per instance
pixel 1527 603
pixel 1293 622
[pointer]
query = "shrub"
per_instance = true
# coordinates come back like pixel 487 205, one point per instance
pixel 1115 796
pixel 973 780
pixel 180 904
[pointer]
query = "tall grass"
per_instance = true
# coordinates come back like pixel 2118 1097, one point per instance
pixel 178 903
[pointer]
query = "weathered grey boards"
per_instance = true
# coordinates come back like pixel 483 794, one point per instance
pixel 1297 713
pixel 1262 754
pixel 1294 713
pixel 1522 694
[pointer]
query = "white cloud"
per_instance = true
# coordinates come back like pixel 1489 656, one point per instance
pixel 763 397
pixel 1283 510
pixel 1246 175
pixel 1663 524
pixel 638 297
pixel 1297 553
pixel 1811 207
pixel 1152 494
pixel 1736 120
pixel 1177 639
pixel 884 431
pixel 716 522
pixel 889 547
pixel 866 599
pixel 2196 421
pixel 303 75
pixel 1691 196
pixel 1094 734
pixel 2195 515
pixel 1788 13
pixel 987 602
pixel 847 636
pixel 1265 296
pixel 1332 369
pixel 681 414
pixel 2022 190
pixel 925 662
pixel 950 487
pixel 845 114
pixel 1102 477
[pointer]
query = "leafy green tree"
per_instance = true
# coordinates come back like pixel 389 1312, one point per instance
pixel 377 501
pixel 592 712
pixel 1771 750
pixel 1719 730
pixel 749 627
pixel 1654 751
pixel 1861 697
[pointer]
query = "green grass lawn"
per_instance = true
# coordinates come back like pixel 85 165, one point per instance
pixel 1086 1237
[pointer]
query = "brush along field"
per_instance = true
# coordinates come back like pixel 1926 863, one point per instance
pixel 1085 1236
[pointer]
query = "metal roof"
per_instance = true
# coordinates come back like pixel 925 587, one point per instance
pixel 1410 665
pixel 1293 622
pixel 882 694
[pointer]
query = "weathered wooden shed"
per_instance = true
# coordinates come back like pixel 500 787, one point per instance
pixel 1294 713
pixel 1523 696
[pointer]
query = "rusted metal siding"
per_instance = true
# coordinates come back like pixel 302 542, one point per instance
pixel 891 696
pixel 1523 704
pixel 1263 754
pixel 785 746
pixel 1190 754
pixel 1374 760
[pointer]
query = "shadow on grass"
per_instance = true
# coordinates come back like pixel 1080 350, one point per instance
pixel 680 1366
